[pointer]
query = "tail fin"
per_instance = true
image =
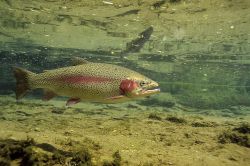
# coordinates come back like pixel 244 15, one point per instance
pixel 22 81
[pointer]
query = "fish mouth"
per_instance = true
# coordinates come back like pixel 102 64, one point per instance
pixel 150 91
pixel 154 89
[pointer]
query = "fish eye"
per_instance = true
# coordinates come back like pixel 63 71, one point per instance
pixel 142 83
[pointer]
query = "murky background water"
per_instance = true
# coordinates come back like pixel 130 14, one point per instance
pixel 197 53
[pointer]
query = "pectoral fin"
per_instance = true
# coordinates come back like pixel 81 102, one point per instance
pixel 115 97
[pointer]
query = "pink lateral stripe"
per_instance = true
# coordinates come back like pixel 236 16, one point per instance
pixel 84 79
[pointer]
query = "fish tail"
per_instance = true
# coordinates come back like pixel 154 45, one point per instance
pixel 23 77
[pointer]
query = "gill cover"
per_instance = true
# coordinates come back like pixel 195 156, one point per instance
pixel 129 88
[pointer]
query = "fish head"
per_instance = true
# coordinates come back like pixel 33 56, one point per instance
pixel 138 87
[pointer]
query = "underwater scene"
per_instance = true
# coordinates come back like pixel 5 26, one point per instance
pixel 125 82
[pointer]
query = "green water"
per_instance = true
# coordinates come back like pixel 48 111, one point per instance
pixel 198 51
pixel 200 59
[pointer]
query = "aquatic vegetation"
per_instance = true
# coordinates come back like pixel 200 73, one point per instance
pixel 238 135
pixel 176 119
pixel 158 4
pixel 154 116
pixel 116 160
pixel 203 124
pixel 4 161
pixel 234 137
pixel 90 112
pixel 244 128
pixel 56 110
pixel 85 142
pixel 28 152
pixel 174 1
pixel 81 158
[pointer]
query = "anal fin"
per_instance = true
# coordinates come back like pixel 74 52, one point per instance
pixel 72 101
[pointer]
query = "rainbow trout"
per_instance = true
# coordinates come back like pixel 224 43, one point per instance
pixel 98 82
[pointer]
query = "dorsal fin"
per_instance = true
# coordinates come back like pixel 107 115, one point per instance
pixel 79 61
